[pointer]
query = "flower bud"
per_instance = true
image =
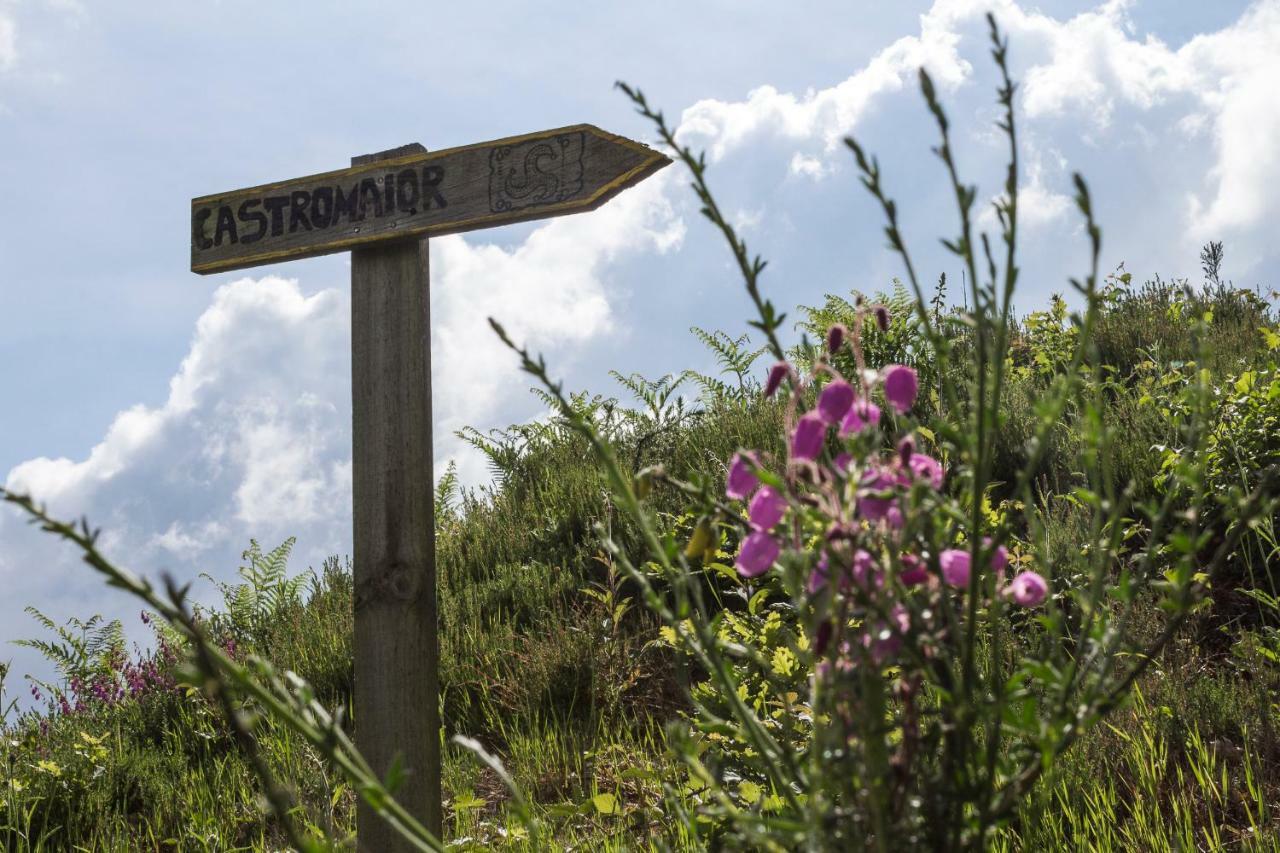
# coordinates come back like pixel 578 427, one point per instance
pixel 835 338
pixel 900 387
pixel 702 540
pixel 906 448
pixel 835 400
pixel 882 318
pixel 776 374
pixel 806 440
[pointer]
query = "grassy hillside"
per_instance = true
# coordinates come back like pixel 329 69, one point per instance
pixel 552 663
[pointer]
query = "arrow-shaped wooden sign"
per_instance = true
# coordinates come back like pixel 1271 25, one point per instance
pixel 534 176
pixel 383 208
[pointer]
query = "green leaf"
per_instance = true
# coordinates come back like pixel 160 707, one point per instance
pixel 606 803
pixel 750 791
pixel 396 773
pixel 467 801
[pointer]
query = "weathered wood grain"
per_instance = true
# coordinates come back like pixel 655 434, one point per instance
pixel 396 652
pixel 415 193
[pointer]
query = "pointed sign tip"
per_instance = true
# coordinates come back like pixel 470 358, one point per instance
pixel 415 195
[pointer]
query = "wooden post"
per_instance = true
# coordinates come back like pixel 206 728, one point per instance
pixel 397 696
pixel 382 209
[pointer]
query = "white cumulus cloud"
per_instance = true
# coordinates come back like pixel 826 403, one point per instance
pixel 254 438
pixel 549 292
pixel 825 114
pixel 8 42
pixel 248 443
pixel 1093 78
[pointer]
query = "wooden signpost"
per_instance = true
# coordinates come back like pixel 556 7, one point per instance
pixel 382 209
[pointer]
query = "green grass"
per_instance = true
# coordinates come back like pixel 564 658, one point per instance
pixel 551 665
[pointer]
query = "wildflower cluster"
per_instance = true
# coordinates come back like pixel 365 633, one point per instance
pixel 116 677
pixel 860 516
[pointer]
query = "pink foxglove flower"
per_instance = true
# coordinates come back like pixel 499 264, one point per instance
pixel 1028 589
pixel 900 387
pixel 955 566
pixel 862 415
pixel 835 401
pixel 913 570
pixel 776 374
pixel 999 557
pixel 873 504
pixel 766 508
pixel 806 441
pixel 757 554
pixel 926 468
pixel 741 480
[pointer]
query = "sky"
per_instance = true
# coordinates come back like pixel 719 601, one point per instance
pixel 185 415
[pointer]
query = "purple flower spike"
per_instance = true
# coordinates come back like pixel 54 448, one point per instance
pixel 806 441
pixel 766 508
pixel 862 414
pixel 741 481
pixel 900 387
pixel 925 467
pixel 835 401
pixel 1028 589
pixel 955 566
pixel 776 374
pixel 757 554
